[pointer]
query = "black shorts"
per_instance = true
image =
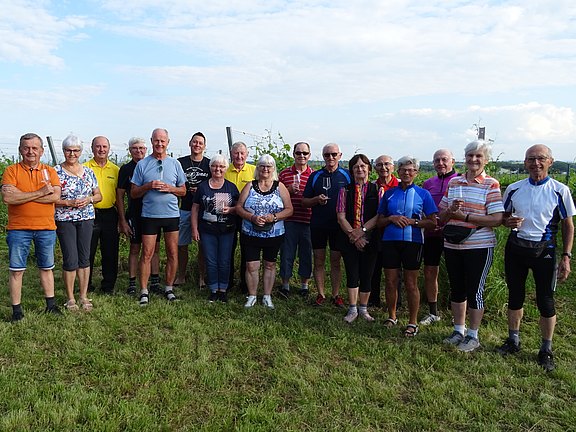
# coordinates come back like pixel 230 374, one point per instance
pixel 252 247
pixel 324 236
pixel 155 226
pixel 433 248
pixel 401 254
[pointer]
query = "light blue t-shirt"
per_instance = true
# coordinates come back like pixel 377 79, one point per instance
pixel 159 204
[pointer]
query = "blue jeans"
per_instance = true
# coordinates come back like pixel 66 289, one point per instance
pixel 19 248
pixel 297 237
pixel 217 249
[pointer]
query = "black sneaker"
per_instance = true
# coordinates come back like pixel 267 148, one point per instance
pixel 17 316
pixel 303 293
pixel 222 296
pixel 131 290
pixel 213 297
pixel 546 360
pixel 54 310
pixel 284 292
pixel 155 288
pixel 508 347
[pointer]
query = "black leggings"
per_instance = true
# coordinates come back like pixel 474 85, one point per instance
pixel 544 273
pixel 467 271
pixel 359 268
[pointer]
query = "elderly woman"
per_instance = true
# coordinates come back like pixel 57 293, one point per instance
pixel 471 207
pixel 213 224
pixel 405 212
pixel 74 220
pixel 357 215
pixel 263 205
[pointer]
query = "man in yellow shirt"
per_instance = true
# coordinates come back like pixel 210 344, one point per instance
pixel 240 173
pixel 106 224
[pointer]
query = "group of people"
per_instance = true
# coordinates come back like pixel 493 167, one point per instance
pixel 391 224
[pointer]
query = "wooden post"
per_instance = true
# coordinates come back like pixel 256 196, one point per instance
pixel 229 136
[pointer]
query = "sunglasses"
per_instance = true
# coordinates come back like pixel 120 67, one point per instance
pixel 301 153
pixel 327 155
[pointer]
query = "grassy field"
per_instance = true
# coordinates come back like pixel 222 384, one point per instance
pixel 199 366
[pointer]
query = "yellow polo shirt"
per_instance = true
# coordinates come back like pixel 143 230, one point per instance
pixel 107 177
pixel 240 177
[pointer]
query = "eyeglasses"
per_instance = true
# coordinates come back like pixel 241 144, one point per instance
pixel 269 167
pixel 70 151
pixel 138 148
pixel 327 155
pixel 540 159
pixel 382 165
pixel 301 153
pixel 407 170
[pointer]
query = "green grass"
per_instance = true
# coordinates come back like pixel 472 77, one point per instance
pixel 197 366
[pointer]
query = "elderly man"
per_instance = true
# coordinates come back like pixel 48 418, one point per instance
pixel 240 173
pixel 384 167
pixel 197 169
pixel 534 208
pixel 130 221
pixel 30 190
pixel 297 226
pixel 321 194
pixel 159 180
pixel 106 223
pixel 443 161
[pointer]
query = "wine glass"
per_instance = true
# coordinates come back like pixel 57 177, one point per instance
pixel 296 183
pixel 46 176
pixel 326 184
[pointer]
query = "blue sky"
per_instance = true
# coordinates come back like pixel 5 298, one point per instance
pixel 395 77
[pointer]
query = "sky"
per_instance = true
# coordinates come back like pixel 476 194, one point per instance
pixel 397 77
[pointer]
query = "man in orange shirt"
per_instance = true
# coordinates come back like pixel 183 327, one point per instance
pixel 30 189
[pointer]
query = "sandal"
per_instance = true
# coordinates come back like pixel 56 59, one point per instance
pixel 411 330
pixel 144 298
pixel 86 304
pixel 389 322
pixel 71 306
pixel 170 296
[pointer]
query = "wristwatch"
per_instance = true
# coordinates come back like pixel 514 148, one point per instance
pixel 568 254
pixel 364 229
pixel 275 218
pixel 416 222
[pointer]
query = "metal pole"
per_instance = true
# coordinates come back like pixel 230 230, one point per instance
pixel 229 136
pixel 51 147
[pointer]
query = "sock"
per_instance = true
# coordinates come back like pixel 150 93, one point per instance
pixel 50 302
pixel 363 309
pixel 17 309
pixel 168 288
pixel 460 328
pixel 304 286
pixel 286 286
pixel 352 309
pixel 144 291
pixel 132 282
pixel 433 308
pixel 473 333
pixel 546 345
pixel 514 335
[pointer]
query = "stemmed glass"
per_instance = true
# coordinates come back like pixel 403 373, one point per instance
pixel 326 184
pixel 296 183
pixel 46 176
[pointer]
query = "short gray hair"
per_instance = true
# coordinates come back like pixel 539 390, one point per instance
pixel 479 145
pixel 219 159
pixel 408 160
pixel 266 159
pixel 136 140
pixel 238 144
pixel 72 141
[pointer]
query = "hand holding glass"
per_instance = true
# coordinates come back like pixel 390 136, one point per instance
pixel 326 184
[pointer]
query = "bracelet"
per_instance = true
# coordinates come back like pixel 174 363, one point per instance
pixel 467 217
pixel 567 254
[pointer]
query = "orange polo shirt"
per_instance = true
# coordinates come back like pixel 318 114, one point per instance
pixel 31 215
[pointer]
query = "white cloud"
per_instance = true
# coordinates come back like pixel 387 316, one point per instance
pixel 30 34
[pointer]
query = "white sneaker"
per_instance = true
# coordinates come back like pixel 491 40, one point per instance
pixel 267 301
pixel 250 301
pixel 429 319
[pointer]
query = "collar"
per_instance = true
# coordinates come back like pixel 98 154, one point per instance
pixel 293 169
pixel 29 168
pixel 448 174
pixel 478 179
pixel 541 182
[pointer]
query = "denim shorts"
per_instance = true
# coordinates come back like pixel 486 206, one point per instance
pixel 19 248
